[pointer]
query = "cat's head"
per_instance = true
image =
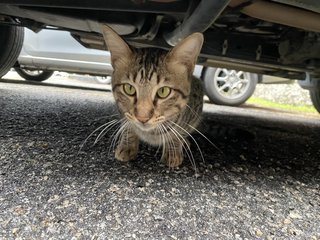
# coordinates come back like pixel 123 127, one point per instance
pixel 151 85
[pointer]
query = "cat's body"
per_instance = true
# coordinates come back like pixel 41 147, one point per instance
pixel 157 96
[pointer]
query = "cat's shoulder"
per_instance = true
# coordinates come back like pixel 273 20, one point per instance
pixel 196 83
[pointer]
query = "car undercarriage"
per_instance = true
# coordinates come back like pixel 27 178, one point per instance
pixel 279 37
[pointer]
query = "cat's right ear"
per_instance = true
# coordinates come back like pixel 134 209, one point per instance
pixel 119 49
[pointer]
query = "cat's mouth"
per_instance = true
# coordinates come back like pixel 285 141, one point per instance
pixel 151 125
pixel 145 126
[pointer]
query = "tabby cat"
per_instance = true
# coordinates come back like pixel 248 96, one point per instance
pixel 157 96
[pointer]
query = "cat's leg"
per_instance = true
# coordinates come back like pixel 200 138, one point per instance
pixel 128 146
pixel 172 154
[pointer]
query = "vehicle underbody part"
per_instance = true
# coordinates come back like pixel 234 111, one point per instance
pixel 199 21
pixel 300 47
pixel 311 5
pixel 123 16
pixel 281 14
pixel 276 37
pixel 310 82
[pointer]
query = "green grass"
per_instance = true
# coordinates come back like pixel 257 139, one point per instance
pixel 269 104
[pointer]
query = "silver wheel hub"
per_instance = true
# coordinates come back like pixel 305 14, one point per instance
pixel 231 84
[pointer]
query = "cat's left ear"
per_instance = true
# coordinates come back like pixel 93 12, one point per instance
pixel 187 51
pixel 119 49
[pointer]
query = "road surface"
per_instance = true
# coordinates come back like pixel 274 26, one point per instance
pixel 265 184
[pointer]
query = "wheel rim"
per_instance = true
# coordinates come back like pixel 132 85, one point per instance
pixel 231 84
pixel 104 80
pixel 32 72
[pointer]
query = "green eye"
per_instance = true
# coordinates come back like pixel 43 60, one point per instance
pixel 129 89
pixel 163 92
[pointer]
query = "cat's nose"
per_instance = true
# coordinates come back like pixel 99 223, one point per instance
pixel 142 119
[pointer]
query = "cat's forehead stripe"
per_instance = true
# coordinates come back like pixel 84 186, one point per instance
pixel 148 61
pixel 151 72
pixel 138 76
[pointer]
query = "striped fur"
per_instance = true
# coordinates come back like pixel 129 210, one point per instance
pixel 165 122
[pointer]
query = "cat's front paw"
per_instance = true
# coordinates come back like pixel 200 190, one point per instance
pixel 126 153
pixel 173 161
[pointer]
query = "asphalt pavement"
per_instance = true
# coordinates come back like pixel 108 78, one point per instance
pixel 262 183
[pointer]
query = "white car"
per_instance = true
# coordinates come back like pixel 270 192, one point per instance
pixel 49 50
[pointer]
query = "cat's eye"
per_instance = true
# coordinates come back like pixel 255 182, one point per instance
pixel 163 92
pixel 129 89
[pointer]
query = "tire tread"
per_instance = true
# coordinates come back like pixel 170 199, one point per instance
pixel 11 48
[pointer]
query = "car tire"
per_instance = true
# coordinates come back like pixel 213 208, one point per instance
pixel 34 75
pixel 11 40
pixel 215 79
pixel 315 98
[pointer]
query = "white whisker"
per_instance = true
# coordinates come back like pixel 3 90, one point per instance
pixel 93 132
pixel 106 130
pixel 168 142
pixel 117 133
pixel 193 111
pixel 215 146
pixel 105 117
pixel 191 138
pixel 186 148
pixel 163 141
pixel 160 133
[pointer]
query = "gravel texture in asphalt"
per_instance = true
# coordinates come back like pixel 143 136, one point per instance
pixel 265 185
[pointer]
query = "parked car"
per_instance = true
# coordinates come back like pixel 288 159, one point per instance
pixel 48 51
pixel 275 37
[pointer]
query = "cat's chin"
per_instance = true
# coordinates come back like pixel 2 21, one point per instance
pixel 145 127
